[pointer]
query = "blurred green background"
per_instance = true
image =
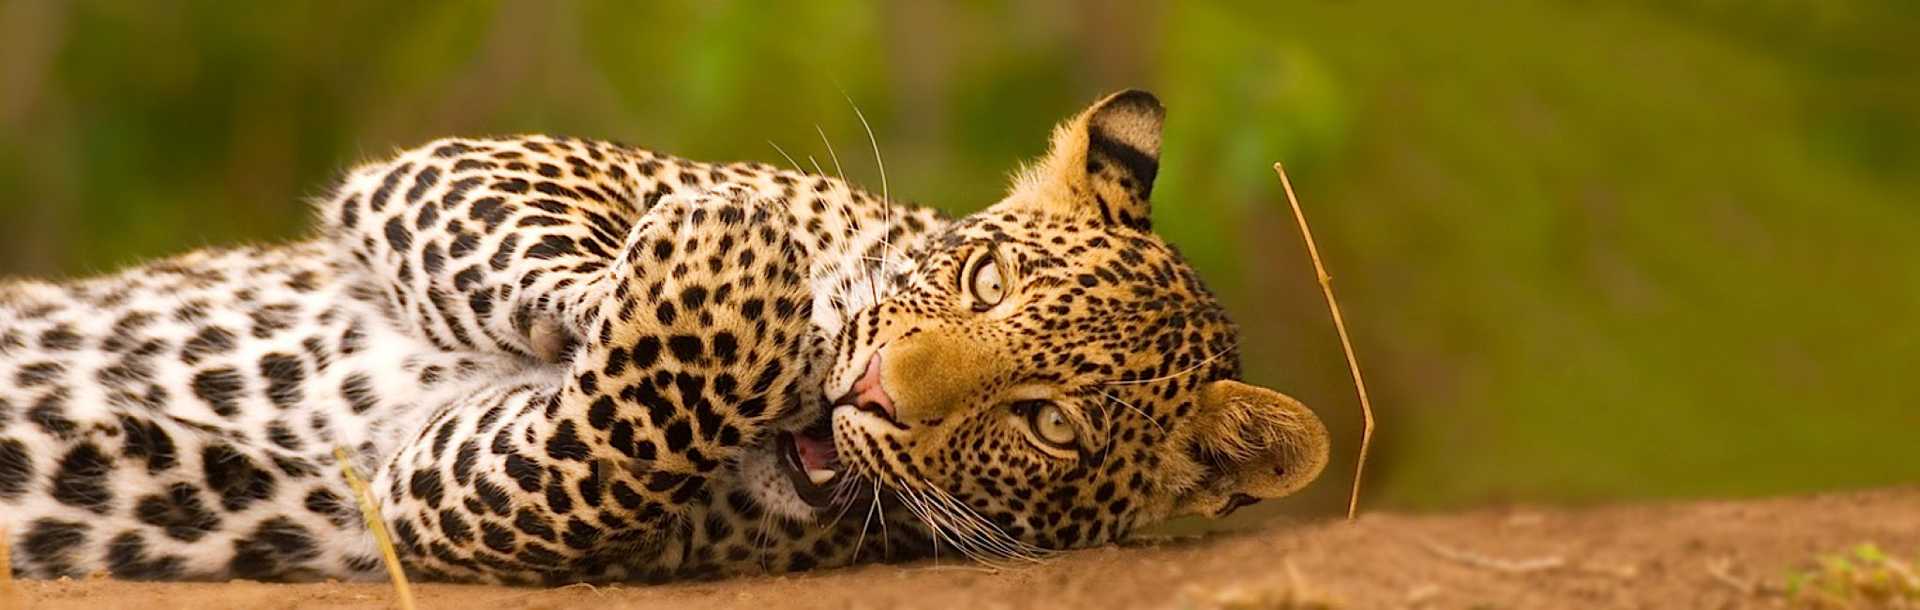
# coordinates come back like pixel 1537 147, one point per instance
pixel 1589 250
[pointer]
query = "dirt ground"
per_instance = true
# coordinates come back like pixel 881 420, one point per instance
pixel 1706 555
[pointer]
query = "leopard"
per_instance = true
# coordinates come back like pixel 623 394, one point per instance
pixel 567 360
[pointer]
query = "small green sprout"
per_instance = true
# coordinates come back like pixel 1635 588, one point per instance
pixel 1865 577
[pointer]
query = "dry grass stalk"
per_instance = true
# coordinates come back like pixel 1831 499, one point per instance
pixel 1346 344
pixel 402 591
pixel 7 593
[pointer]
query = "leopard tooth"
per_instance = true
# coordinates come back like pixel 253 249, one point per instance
pixel 820 476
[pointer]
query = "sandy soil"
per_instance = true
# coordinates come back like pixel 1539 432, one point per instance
pixel 1693 555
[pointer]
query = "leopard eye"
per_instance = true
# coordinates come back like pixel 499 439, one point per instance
pixel 985 283
pixel 1050 423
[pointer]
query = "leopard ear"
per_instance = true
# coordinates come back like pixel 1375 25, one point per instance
pixel 1254 444
pixel 1101 164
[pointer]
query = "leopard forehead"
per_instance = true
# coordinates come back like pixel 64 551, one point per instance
pixel 1096 305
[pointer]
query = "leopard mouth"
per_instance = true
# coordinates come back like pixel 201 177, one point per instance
pixel 811 462
pixel 808 457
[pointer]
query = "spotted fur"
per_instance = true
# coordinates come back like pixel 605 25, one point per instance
pixel 569 360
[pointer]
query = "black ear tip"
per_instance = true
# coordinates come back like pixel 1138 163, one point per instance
pixel 1136 101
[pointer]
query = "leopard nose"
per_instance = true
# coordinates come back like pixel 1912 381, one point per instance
pixel 931 374
pixel 868 394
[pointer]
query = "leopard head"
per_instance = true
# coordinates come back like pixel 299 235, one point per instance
pixel 1053 374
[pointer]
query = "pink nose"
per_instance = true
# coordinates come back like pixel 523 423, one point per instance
pixel 867 395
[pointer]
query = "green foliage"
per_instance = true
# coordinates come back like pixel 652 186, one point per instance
pixel 1866 577
pixel 1588 250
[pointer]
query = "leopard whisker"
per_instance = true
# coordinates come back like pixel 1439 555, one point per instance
pixel 862 540
pixel 886 195
pixel 1150 419
pixel 886 266
pixel 886 191
pixel 1106 446
pixel 762 536
pixel 837 498
pixel 887 249
pixel 838 171
pixel 1019 550
pixel 932 528
pixel 844 489
pixel 886 535
pixel 988 535
pixel 941 524
pixel 1177 375
pixel 935 523
pixel 783 153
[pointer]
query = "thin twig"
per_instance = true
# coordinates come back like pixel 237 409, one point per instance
pixel 1422 593
pixel 1339 324
pixel 1509 566
pixel 1721 569
pixel 589 587
pixel 371 513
